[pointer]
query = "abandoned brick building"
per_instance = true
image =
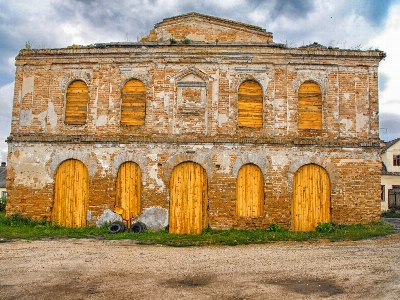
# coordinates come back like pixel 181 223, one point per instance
pixel 206 119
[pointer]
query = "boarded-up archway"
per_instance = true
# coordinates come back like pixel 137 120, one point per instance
pixel 77 103
pixel 188 199
pixel 128 191
pixel 71 193
pixel 310 106
pixel 133 103
pixel 311 198
pixel 250 191
pixel 250 101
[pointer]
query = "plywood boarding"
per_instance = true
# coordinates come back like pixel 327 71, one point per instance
pixel 188 199
pixel 133 106
pixel 250 104
pixel 71 193
pixel 250 192
pixel 76 104
pixel 311 198
pixel 128 191
pixel 310 106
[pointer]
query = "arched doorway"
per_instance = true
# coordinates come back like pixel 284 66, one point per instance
pixel 249 191
pixel 311 198
pixel 128 191
pixel 188 199
pixel 71 194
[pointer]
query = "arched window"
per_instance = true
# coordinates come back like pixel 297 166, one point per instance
pixel 249 191
pixel 76 104
pixel 310 106
pixel 250 100
pixel 133 106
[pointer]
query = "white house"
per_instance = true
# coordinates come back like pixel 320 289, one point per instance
pixel 390 178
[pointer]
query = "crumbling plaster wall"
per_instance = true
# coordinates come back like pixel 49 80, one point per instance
pixel 198 86
pixel 350 171
pixel 350 102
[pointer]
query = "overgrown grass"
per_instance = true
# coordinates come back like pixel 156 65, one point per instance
pixel 392 213
pixel 17 227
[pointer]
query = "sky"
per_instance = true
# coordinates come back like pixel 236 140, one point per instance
pixel 347 24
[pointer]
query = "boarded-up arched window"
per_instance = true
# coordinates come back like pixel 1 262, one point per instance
pixel 133 106
pixel 250 192
pixel 76 104
pixel 250 101
pixel 310 106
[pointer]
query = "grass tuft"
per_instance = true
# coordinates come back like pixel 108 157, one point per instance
pixel 18 227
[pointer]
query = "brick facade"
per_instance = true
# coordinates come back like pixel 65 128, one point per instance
pixel 191 115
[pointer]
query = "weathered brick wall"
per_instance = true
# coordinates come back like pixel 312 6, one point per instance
pixel 355 194
pixel 191 105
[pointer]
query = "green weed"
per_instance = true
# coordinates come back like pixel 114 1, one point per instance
pixel 18 227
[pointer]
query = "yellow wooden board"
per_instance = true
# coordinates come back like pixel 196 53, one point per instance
pixel 311 198
pixel 128 191
pixel 76 104
pixel 249 191
pixel 188 199
pixel 71 194
pixel 250 100
pixel 133 103
pixel 309 106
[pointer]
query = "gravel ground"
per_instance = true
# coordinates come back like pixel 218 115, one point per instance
pixel 99 269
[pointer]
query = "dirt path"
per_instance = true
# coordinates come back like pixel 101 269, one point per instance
pixel 93 269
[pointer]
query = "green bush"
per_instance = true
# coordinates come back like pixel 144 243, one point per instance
pixel 324 227
pixel 185 40
pixel 392 213
pixel 275 227
pixel 3 201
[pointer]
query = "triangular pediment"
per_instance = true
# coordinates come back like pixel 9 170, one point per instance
pixel 203 28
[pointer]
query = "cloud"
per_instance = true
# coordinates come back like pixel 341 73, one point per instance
pixel 6 98
pixel 389 125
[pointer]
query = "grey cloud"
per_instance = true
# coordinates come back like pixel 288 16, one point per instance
pixel 389 125
pixel 374 11
pixel 382 81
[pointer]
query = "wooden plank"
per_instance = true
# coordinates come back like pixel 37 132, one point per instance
pixel 71 196
pixel 128 193
pixel 76 104
pixel 309 106
pixel 187 195
pixel 249 191
pixel 133 103
pixel 311 198
pixel 250 104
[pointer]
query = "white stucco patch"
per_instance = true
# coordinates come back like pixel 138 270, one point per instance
pixel 348 123
pixel 222 119
pixel 152 156
pixel 153 174
pixel 101 121
pixel 42 119
pixel 279 161
pixel 52 115
pixel 27 85
pixel 30 167
pixel 224 161
pixel 361 122
pixel 25 117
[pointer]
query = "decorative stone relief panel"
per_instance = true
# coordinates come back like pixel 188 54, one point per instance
pixel 191 105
